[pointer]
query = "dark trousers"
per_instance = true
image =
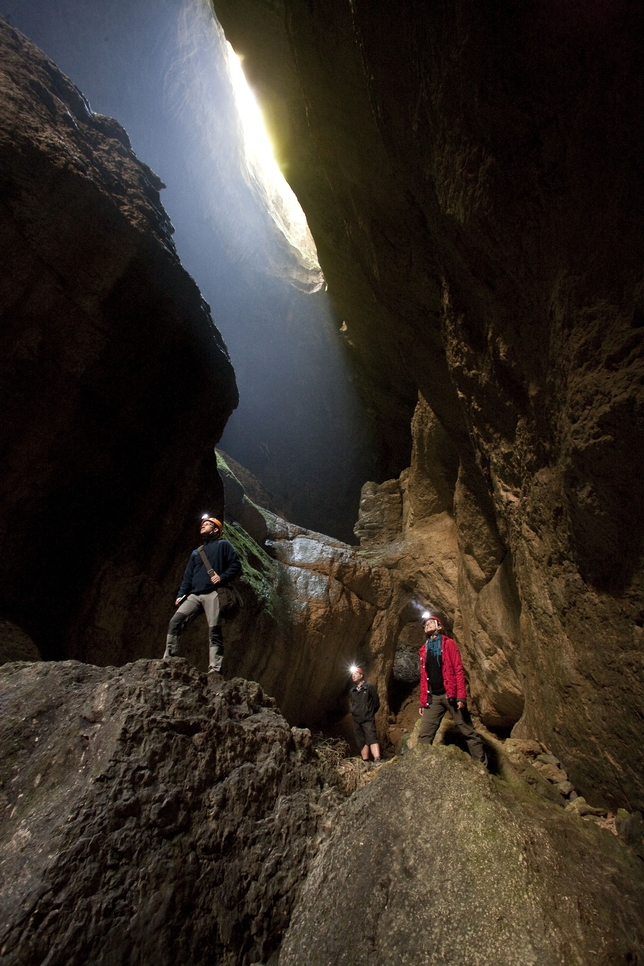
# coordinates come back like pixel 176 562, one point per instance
pixel 434 714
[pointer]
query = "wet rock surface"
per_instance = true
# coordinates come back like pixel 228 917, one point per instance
pixel 108 353
pixel 436 862
pixel 146 818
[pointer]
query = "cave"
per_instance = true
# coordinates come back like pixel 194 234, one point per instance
pixel 432 397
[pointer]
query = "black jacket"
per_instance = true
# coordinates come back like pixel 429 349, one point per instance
pixel 364 702
pixel 223 557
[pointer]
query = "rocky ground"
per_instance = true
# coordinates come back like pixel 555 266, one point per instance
pixel 152 816
pixel 435 862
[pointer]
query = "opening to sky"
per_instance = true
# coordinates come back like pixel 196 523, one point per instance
pixel 264 172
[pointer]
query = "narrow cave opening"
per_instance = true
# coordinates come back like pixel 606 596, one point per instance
pixel 167 74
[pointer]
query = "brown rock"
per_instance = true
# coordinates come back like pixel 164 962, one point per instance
pixel 380 519
pixel 489 259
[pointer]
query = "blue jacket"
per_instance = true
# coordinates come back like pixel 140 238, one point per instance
pixel 223 557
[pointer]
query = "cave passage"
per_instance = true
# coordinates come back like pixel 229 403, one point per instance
pixel 167 74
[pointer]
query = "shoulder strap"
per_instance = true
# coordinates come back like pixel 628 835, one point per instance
pixel 206 562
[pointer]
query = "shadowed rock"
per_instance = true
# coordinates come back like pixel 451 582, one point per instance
pixel 146 818
pixel 114 383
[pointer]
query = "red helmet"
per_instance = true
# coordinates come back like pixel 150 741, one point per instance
pixel 428 616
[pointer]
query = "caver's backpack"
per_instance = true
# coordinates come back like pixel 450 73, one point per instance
pixel 230 602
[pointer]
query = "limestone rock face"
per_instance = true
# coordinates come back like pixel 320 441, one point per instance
pixel 114 383
pixel 147 818
pixel 448 865
pixel 473 183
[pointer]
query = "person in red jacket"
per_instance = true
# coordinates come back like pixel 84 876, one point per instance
pixel 442 688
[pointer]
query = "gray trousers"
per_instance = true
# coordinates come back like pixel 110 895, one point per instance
pixel 185 613
pixel 434 714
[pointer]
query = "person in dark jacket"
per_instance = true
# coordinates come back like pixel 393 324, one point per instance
pixel 198 591
pixel 442 688
pixel 364 704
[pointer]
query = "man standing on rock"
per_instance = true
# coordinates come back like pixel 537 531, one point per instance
pixel 442 688
pixel 210 568
pixel 364 704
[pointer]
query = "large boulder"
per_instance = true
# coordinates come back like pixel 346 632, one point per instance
pixel 147 818
pixel 435 862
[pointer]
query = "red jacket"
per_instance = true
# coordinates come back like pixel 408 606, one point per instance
pixel 452 668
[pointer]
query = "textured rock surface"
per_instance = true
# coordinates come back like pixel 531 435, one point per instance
pixel 472 178
pixel 436 862
pixel 108 354
pixel 146 818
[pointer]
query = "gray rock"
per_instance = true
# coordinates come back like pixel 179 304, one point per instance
pixel 147 819
pixel 548 758
pixel 549 771
pixel 579 806
pixel 436 863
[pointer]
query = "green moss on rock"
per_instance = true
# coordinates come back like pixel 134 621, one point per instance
pixel 258 570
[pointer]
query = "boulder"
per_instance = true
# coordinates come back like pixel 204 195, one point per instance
pixel 436 862
pixel 147 818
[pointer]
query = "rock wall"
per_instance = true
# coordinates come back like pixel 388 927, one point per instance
pixel 472 179
pixel 114 383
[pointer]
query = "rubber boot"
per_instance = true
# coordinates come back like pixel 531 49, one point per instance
pixel 171 648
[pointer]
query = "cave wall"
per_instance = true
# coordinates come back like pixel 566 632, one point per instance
pixel 115 383
pixel 472 177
